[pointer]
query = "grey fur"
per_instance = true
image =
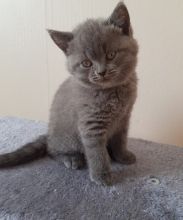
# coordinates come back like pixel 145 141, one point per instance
pixel 90 114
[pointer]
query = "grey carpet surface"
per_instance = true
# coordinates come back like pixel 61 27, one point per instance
pixel 152 189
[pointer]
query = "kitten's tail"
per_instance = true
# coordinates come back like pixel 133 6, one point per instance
pixel 26 153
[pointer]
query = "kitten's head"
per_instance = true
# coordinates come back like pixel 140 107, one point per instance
pixel 100 52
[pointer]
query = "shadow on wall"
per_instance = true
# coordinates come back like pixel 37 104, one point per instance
pixel 173 125
pixel 174 135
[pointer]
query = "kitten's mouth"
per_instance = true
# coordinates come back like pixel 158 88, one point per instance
pixel 98 79
pixel 105 78
pixel 102 81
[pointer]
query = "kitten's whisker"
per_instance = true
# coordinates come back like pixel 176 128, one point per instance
pixel 112 71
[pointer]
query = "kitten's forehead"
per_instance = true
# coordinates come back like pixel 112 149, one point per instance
pixel 92 37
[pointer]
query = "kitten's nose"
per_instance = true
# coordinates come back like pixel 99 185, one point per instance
pixel 102 73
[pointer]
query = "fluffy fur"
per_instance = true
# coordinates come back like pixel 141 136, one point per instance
pixel 90 114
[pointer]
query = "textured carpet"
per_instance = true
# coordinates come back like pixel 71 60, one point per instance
pixel 152 189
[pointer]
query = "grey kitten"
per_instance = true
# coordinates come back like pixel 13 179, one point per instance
pixel 90 113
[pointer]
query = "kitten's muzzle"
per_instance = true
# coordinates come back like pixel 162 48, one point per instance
pixel 102 73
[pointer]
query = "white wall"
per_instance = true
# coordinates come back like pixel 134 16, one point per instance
pixel 32 67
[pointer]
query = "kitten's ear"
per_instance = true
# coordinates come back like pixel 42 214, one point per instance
pixel 120 18
pixel 61 39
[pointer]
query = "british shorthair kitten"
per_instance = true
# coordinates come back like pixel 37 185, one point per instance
pixel 90 113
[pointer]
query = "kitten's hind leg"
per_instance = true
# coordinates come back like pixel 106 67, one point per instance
pixel 66 150
pixel 117 147
pixel 118 152
pixel 74 160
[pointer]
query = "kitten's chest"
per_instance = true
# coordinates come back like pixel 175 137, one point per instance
pixel 108 104
pixel 103 110
pixel 112 101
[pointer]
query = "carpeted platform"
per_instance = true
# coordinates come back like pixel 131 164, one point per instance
pixel 152 189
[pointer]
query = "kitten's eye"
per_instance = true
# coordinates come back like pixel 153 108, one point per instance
pixel 111 55
pixel 86 63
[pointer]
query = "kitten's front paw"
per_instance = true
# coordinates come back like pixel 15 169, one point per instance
pixel 104 179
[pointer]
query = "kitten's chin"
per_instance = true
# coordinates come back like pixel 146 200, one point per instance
pixel 113 82
pixel 104 83
pixel 99 84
